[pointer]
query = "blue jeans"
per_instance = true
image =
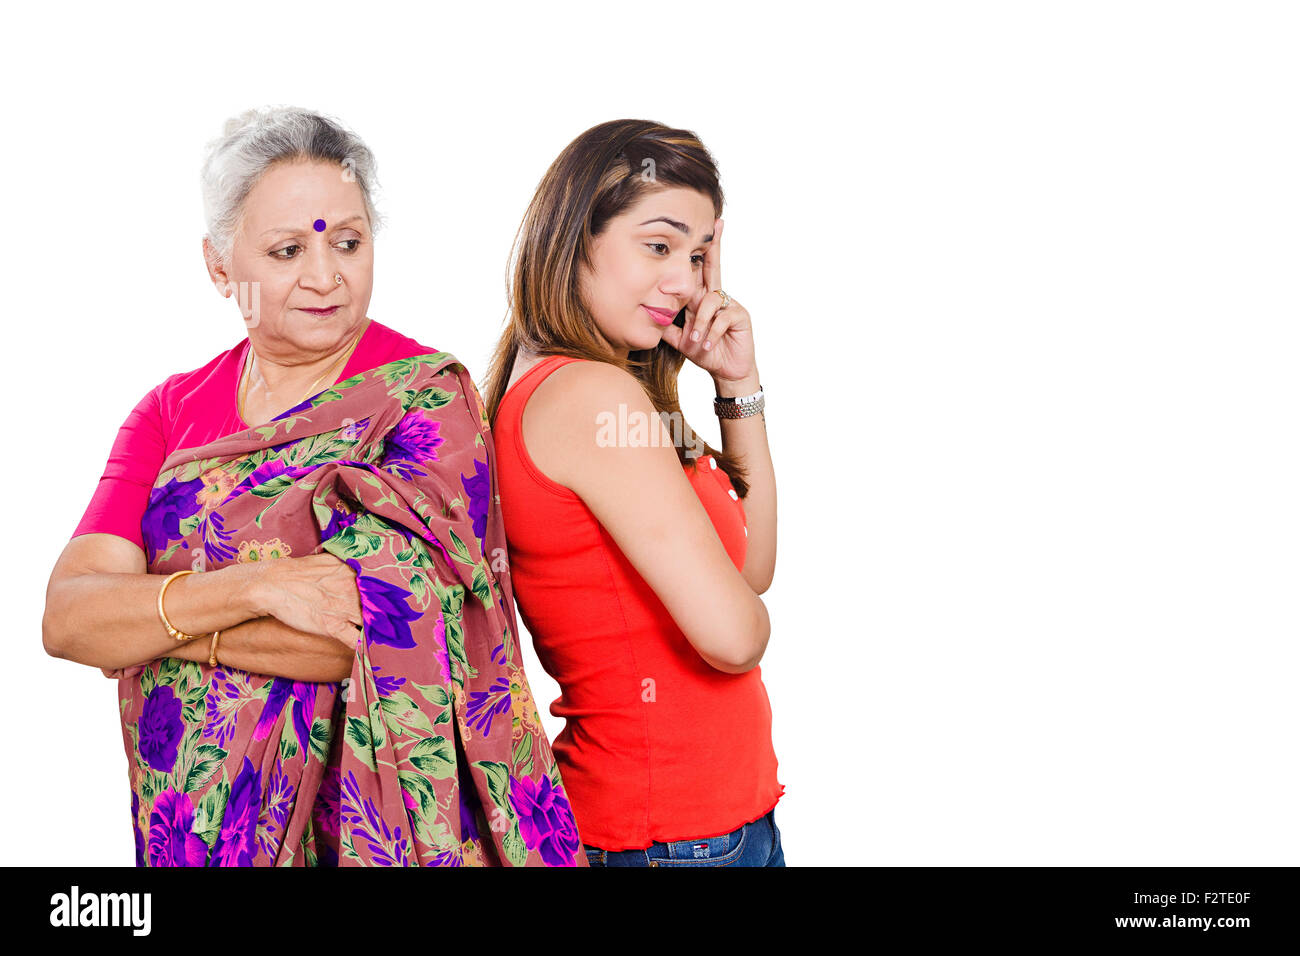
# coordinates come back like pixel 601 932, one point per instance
pixel 754 844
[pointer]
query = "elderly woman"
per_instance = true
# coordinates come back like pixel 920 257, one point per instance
pixel 339 684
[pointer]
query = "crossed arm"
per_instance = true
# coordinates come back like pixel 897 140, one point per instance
pixel 293 617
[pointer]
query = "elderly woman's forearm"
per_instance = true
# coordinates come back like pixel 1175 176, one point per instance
pixel 272 648
pixel 111 620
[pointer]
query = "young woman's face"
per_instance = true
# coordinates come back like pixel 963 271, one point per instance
pixel 647 264
pixel 304 223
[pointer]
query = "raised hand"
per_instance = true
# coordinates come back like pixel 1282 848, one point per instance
pixel 717 338
pixel 718 334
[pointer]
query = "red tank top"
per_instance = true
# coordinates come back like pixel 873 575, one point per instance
pixel 657 745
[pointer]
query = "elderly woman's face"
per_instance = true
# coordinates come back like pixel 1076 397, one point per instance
pixel 304 224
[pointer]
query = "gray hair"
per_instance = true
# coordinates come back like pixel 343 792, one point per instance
pixel 257 139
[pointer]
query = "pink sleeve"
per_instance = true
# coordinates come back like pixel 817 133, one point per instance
pixel 123 492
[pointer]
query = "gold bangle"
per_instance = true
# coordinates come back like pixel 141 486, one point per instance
pixel 212 654
pixel 179 636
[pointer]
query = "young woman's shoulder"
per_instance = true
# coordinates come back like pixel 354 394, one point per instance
pixel 575 385
pixel 564 417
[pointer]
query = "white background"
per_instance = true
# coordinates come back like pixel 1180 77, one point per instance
pixel 1024 291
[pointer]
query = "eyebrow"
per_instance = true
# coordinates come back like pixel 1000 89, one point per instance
pixel 271 232
pixel 679 226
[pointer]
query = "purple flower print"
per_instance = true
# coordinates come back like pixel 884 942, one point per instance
pixel 483 705
pixel 300 407
pixel 279 796
pixel 215 537
pixel 135 827
pixel 168 507
pixel 545 820
pixel 440 645
pixel 265 472
pixel 478 488
pixel 414 440
pixel 338 521
pixel 451 857
pixel 325 810
pixel 275 698
pixel 468 827
pixel 170 841
pixel 304 709
pixel 303 694
pixel 388 684
pixel 234 845
pixel 367 825
pixel 228 693
pixel 384 609
pixel 161 728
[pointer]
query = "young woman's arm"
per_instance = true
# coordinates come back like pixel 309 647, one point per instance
pixel 101 609
pixel 747 437
pixel 644 500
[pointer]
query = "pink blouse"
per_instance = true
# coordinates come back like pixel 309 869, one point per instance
pixel 190 409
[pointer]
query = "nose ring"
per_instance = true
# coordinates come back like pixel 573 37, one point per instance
pixel 338 279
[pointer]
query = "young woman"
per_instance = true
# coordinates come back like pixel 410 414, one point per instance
pixel 638 552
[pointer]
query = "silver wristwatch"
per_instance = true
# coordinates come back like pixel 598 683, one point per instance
pixel 741 406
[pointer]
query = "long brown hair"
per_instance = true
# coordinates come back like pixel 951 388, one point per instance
pixel 595 178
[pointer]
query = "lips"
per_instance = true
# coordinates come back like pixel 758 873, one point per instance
pixel 661 316
pixel 330 311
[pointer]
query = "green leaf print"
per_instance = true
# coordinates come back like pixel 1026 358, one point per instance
pixel 458 549
pixel 400 711
pixel 435 756
pixel 207 761
pixel 358 737
pixel 421 790
pixel 210 811
pixel 354 542
pixel 168 670
pixel 516 849
pixel 319 741
pixel 438 696
pixel 429 398
pixel 480 585
pixel 272 487
pixel 195 703
pixel 498 781
pixel 435 694
pixel 288 741
pixel 523 756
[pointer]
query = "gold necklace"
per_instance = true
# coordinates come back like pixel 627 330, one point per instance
pixel 248 367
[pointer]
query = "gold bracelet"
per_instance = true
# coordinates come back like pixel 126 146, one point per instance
pixel 212 654
pixel 179 636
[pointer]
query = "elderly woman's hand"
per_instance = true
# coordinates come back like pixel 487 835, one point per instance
pixel 117 673
pixel 317 594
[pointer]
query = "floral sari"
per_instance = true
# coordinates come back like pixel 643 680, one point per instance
pixel 432 753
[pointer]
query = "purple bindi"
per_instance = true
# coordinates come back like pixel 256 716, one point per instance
pixel 319 225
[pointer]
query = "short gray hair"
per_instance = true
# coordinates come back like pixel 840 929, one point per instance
pixel 256 140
